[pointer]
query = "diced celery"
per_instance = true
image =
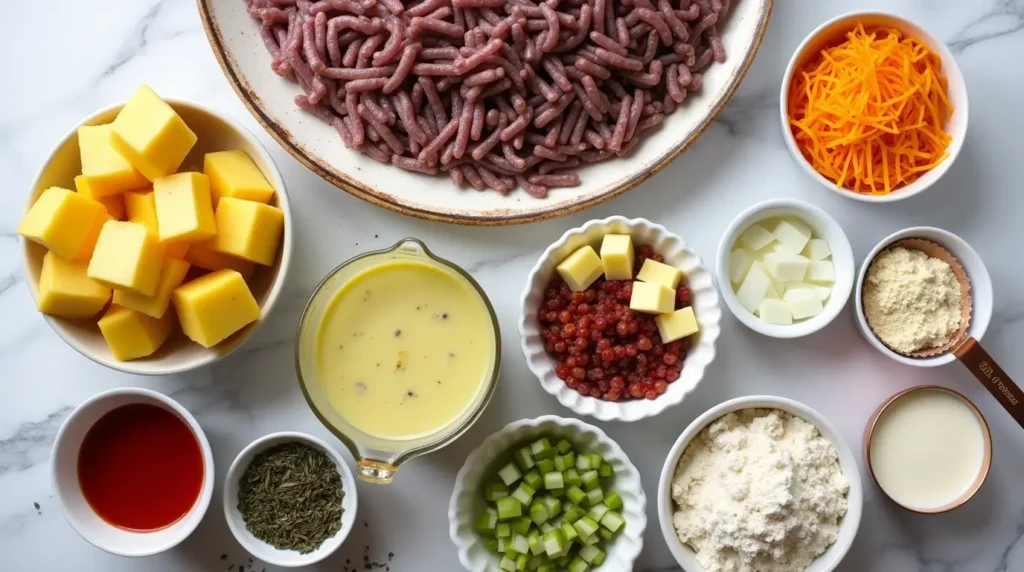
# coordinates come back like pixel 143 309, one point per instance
pixel 487 521
pixel 576 495
pixel 563 446
pixel 595 496
pixel 572 513
pixel 520 544
pixel 533 539
pixel 541 449
pixel 501 546
pixel 546 527
pixel 606 534
pixel 509 474
pixel 586 527
pixel 503 530
pixel 563 561
pixel 578 565
pixel 557 492
pixel 547 567
pixel 536 560
pixel 588 553
pixel 560 463
pixel 523 458
pixel 590 480
pixel 512 554
pixel 533 479
pixel 569 532
pixel 523 493
pixel 613 500
pixel 593 540
pixel 605 471
pixel 596 461
pixel 507 564
pixel 521 561
pixel 545 466
pixel 521 525
pixel 494 491
pixel 491 544
pixel 555 544
pixel 570 459
pixel 509 507
pixel 553 505
pixel 555 522
pixel 538 512
pixel 554 480
pixel 583 463
pixel 598 559
pixel 597 511
pixel 613 521
pixel 573 478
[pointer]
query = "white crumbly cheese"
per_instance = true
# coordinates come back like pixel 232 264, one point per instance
pixel 759 490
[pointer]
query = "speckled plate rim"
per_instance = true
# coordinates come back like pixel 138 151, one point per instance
pixel 254 104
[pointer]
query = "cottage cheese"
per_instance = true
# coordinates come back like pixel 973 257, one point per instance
pixel 759 490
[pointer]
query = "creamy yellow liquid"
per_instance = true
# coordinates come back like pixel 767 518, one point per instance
pixel 404 349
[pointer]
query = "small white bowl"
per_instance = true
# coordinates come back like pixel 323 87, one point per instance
pixel 216 132
pixel 833 31
pixel 677 254
pixel 848 525
pixel 981 289
pixel 826 227
pixel 78 513
pixel 264 551
pixel 467 501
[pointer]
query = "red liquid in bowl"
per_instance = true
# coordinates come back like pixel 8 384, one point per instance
pixel 140 467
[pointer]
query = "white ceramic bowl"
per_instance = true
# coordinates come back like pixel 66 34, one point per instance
pixel 686 557
pixel 260 549
pixel 677 254
pixel 235 39
pixel 824 226
pixel 483 463
pixel 78 513
pixel 216 132
pixel 832 31
pixel 977 273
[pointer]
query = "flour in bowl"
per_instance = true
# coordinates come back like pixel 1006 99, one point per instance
pixel 759 490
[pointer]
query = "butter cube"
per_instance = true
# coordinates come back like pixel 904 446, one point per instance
pixel 775 312
pixel 652 298
pixel 740 260
pixel 131 335
pixel 756 237
pixel 249 230
pixel 617 256
pixel 113 203
pixel 106 170
pixel 793 234
pixel 803 303
pixel 184 211
pixel 149 133
pixel 820 292
pixel 676 325
pixel 65 222
pixel 817 249
pixel 65 290
pixel 785 267
pixel 233 174
pixel 212 307
pixel 200 255
pixel 140 208
pixel 171 276
pixel 127 256
pixel 581 268
pixel 659 273
pixel 821 271
pixel 754 288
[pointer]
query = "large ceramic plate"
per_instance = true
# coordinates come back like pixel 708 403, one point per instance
pixel 235 39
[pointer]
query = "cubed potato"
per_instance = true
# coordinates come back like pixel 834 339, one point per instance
pixel 151 135
pixel 171 276
pixel 212 307
pixel 65 222
pixel 201 256
pixel 106 170
pixel 127 256
pixel 233 174
pixel 248 230
pixel 140 208
pixel 132 335
pixel 66 291
pixel 581 268
pixel 617 256
pixel 184 212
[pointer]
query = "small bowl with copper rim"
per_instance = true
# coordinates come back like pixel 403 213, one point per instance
pixel 78 511
pixel 985 463
pixel 976 303
pixel 216 132
pixel 831 33
pixel 263 550
pixel 700 351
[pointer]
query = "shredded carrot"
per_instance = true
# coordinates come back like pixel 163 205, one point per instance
pixel 869 113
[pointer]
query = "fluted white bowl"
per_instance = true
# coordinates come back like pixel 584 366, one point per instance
pixel 468 502
pixel 704 302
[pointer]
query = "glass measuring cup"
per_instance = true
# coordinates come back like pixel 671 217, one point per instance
pixel 378 458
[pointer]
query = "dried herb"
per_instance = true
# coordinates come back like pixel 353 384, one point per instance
pixel 290 497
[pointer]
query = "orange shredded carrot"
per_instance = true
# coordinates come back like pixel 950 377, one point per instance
pixel 869 113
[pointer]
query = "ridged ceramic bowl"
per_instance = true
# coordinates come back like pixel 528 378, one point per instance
pixel 677 254
pixel 468 502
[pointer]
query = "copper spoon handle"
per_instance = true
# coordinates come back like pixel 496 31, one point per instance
pixel 995 380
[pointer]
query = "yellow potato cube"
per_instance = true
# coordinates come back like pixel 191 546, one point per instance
pixel 677 325
pixel 65 290
pixel 233 174
pixel 65 222
pixel 200 255
pixel 581 268
pixel 652 298
pixel 659 273
pixel 131 334
pixel 171 276
pixel 149 133
pixel 248 230
pixel 113 203
pixel 212 307
pixel 127 256
pixel 617 256
pixel 184 212
pixel 140 208
pixel 107 171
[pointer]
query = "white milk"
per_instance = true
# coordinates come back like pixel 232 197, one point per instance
pixel 927 449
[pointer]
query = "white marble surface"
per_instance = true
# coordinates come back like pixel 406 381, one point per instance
pixel 66 61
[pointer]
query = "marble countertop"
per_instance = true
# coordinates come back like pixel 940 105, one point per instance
pixel 78 61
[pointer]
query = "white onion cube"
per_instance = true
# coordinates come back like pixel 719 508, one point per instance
pixel 775 312
pixel 817 249
pixel 756 237
pixel 804 306
pixel 785 267
pixel 754 287
pixel 793 234
pixel 739 263
pixel 821 292
pixel 821 271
